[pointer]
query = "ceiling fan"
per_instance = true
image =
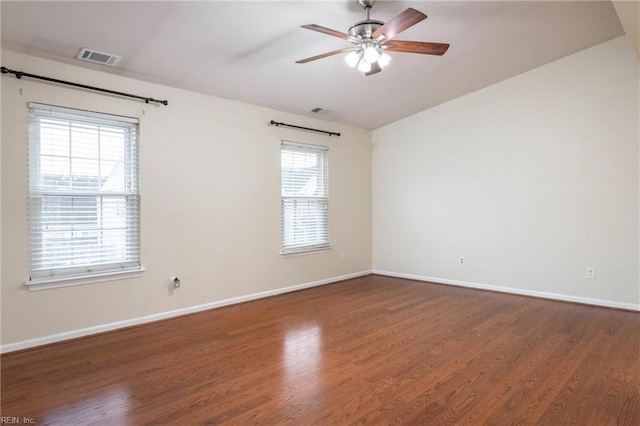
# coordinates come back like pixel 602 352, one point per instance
pixel 373 38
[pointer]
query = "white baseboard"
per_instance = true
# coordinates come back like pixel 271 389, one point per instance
pixel 25 344
pixel 533 293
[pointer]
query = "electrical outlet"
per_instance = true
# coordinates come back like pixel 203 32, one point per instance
pixel 341 256
pixel 174 283
pixel 591 273
pixel 461 260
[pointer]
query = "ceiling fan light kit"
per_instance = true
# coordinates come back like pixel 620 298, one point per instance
pixel 372 38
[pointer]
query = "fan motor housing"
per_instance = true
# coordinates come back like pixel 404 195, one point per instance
pixel 364 29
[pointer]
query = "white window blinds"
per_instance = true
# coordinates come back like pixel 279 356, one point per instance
pixel 304 182
pixel 83 193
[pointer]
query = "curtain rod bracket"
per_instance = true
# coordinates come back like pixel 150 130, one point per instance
pixel 277 124
pixel 20 74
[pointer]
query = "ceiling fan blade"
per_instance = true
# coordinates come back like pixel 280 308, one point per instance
pixel 375 68
pixel 324 55
pixel 398 24
pixel 423 47
pixel 325 30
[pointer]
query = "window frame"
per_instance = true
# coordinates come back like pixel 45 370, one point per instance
pixel 59 275
pixel 322 242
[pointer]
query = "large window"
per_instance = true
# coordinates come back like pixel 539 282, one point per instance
pixel 83 194
pixel 304 182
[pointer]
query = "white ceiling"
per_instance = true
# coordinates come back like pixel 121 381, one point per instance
pixel 247 50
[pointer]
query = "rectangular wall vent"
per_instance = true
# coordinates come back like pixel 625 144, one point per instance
pixel 91 55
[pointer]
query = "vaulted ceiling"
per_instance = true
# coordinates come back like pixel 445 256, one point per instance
pixel 246 51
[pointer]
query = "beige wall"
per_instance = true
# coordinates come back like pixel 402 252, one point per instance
pixel 533 180
pixel 209 198
pixel 1 80
pixel 629 14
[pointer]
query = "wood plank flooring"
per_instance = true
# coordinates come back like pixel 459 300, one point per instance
pixel 373 350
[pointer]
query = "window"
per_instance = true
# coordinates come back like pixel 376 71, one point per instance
pixel 304 182
pixel 83 193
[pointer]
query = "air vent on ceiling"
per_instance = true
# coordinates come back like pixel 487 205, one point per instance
pixel 91 55
pixel 319 110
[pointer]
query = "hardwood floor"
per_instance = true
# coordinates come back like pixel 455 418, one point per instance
pixel 374 350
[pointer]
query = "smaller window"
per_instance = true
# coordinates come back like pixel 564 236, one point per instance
pixel 305 197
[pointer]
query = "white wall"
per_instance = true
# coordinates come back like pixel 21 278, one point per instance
pixel 533 180
pixel 209 196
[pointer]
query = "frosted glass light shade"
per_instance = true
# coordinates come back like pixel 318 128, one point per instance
pixel 370 54
pixel 364 66
pixel 384 60
pixel 352 59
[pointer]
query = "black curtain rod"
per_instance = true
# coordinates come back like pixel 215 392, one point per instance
pixel 20 74
pixel 275 123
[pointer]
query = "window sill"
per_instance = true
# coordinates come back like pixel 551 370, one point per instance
pixel 303 252
pixel 49 283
